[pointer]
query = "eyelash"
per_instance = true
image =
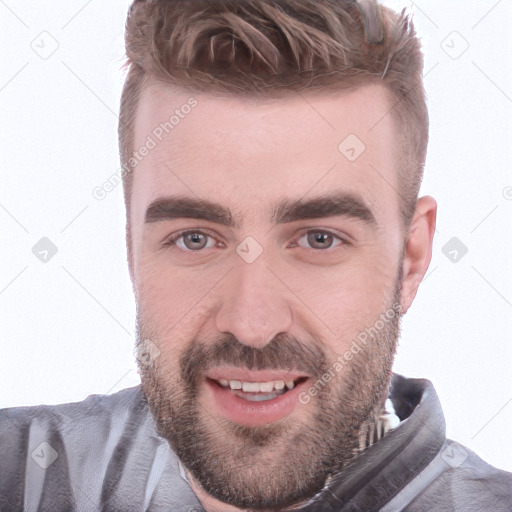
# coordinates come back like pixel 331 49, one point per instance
pixel 172 241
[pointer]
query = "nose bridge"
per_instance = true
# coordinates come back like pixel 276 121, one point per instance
pixel 255 306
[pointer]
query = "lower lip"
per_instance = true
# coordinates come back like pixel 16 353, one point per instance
pixel 253 414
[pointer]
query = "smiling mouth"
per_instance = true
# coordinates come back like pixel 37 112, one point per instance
pixel 258 391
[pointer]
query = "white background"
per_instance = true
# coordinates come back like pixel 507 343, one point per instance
pixel 67 325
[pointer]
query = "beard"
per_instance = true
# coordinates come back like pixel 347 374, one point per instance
pixel 274 466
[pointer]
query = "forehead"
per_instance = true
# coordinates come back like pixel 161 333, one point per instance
pixel 244 150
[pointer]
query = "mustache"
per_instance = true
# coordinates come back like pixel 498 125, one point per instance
pixel 283 352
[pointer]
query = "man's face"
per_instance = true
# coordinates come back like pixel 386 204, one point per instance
pixel 266 252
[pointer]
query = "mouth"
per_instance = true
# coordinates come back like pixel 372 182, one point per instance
pixel 258 391
pixel 253 398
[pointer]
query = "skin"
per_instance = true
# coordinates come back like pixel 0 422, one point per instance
pixel 247 155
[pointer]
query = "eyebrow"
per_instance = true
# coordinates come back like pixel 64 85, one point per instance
pixel 343 204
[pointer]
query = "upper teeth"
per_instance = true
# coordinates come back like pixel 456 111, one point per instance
pixel 257 387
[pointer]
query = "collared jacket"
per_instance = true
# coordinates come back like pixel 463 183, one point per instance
pixel 104 454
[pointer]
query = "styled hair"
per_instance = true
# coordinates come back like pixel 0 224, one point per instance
pixel 274 48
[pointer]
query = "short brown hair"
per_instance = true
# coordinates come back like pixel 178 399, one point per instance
pixel 275 47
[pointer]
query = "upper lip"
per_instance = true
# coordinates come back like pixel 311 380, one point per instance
pixel 246 375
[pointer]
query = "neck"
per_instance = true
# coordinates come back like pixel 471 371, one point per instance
pixel 213 505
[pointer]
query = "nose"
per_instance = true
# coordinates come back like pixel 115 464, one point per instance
pixel 254 306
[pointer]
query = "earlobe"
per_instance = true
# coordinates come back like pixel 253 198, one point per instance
pixel 418 248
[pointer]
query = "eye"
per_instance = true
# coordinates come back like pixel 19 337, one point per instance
pixel 191 241
pixel 195 240
pixel 319 239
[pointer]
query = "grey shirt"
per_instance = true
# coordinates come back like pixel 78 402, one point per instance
pixel 104 454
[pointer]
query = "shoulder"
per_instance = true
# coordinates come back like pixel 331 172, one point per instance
pixel 479 482
pixel 78 427
pixel 468 483
pixel 94 412
pixel 61 446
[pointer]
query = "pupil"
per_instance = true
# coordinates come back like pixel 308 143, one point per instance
pixel 196 240
pixel 320 240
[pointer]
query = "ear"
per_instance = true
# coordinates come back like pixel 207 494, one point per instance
pixel 418 248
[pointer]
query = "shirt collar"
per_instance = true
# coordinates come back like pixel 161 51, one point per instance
pixel 372 478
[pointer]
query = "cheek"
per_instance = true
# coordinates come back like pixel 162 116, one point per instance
pixel 173 302
pixel 169 289
pixel 366 279
pixel 350 297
